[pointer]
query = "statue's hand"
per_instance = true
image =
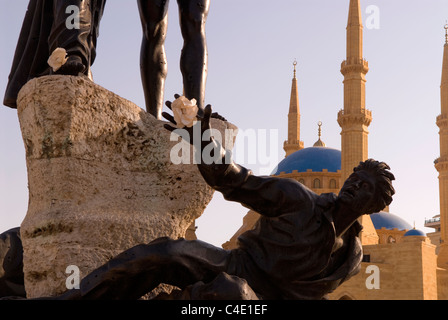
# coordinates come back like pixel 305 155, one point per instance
pixel 216 115
pixel 203 120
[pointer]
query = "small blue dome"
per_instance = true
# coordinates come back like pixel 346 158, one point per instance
pixel 314 158
pixel 415 232
pixel 389 221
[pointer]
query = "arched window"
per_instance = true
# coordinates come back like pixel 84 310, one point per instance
pixel 316 184
pixel 391 240
pixel 302 181
pixel 333 184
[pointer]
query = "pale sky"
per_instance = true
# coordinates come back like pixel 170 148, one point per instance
pixel 252 45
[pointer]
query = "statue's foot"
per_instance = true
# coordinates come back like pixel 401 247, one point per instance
pixel 72 67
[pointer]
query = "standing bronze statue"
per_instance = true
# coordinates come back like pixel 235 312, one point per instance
pixel 303 246
pixel 43 30
pixel 193 60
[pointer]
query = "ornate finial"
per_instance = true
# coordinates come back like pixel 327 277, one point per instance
pixel 446 32
pixel 319 142
pixel 295 64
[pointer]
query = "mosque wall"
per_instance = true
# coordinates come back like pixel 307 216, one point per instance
pixel 395 271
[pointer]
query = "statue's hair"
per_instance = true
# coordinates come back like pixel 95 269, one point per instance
pixel 383 187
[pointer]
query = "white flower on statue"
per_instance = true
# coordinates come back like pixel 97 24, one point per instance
pixel 184 111
pixel 57 59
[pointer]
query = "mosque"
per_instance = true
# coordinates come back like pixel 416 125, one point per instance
pixel 399 261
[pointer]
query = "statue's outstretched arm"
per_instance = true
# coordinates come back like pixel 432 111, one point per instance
pixel 269 196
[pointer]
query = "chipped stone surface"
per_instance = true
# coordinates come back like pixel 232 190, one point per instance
pixel 100 179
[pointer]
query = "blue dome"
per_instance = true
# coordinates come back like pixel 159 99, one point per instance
pixel 414 232
pixel 314 158
pixel 389 221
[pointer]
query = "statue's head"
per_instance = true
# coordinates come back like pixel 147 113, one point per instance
pixel 369 188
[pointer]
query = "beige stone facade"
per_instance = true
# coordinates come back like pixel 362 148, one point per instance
pixel 405 270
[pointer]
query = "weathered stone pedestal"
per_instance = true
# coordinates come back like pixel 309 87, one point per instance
pixel 100 180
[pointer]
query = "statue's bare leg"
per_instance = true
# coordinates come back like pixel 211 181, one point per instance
pixel 153 64
pixel 194 59
pixel 140 269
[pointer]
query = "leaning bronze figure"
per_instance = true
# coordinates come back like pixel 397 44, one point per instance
pixel 303 247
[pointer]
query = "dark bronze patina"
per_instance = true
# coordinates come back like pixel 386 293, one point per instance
pixel 44 29
pixel 193 60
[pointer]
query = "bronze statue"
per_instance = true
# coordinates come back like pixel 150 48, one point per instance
pixel 193 60
pixel 44 29
pixel 303 246
pixel 11 264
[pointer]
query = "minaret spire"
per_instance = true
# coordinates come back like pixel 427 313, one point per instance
pixel 444 83
pixel 294 99
pixel 446 33
pixel 354 119
pixel 293 143
pixel 441 163
pixel 294 64
pixel 354 31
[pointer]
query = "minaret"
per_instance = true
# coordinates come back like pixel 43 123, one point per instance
pixel 441 163
pixel 293 143
pixel 354 119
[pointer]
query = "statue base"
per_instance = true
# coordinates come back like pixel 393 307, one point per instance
pixel 100 180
